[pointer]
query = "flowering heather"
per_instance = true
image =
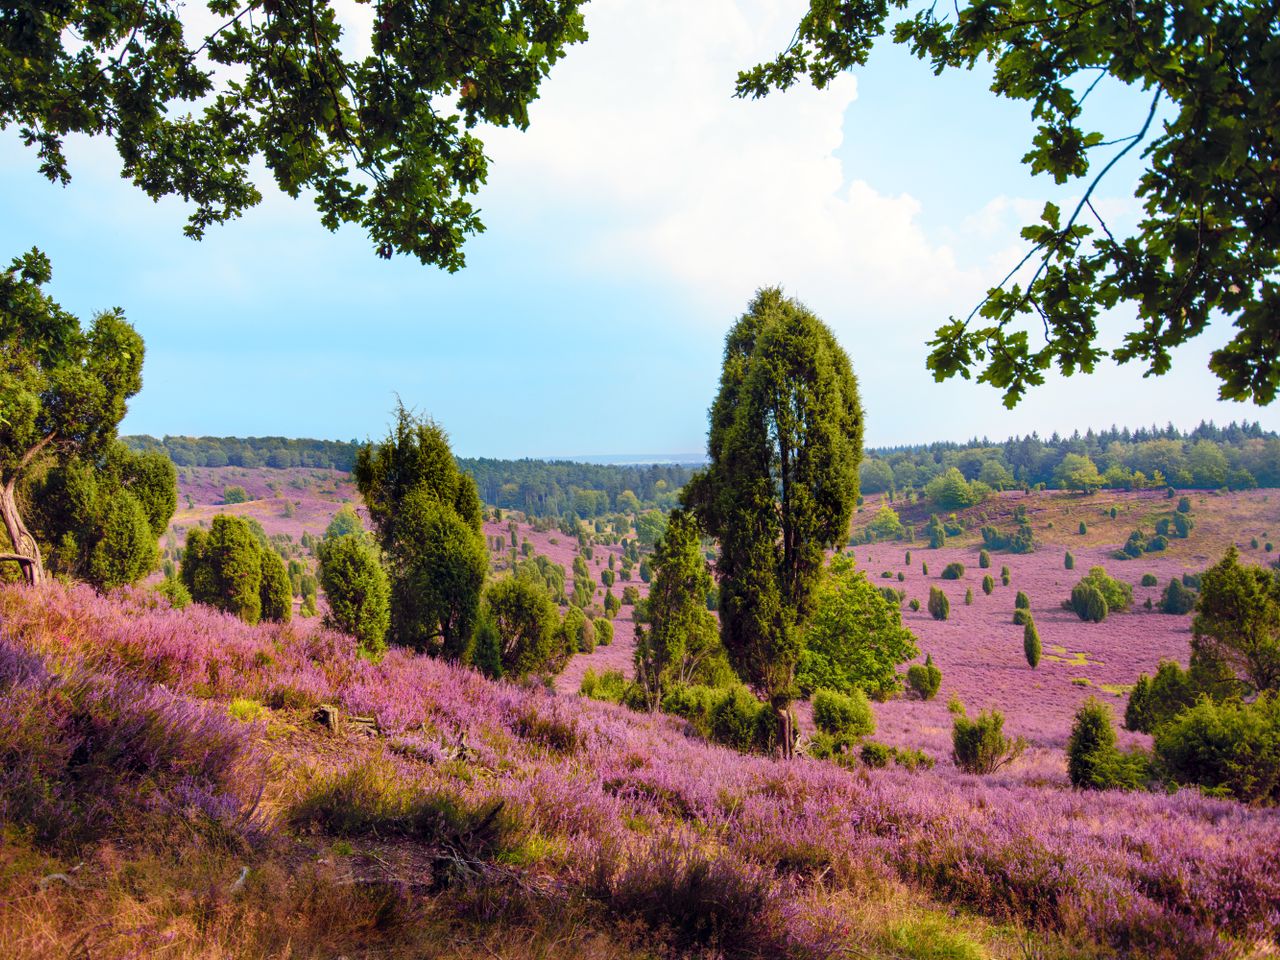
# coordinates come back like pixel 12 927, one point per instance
pixel 633 814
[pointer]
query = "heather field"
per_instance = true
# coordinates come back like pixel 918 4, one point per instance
pixel 186 802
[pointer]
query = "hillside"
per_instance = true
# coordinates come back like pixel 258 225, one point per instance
pixel 168 791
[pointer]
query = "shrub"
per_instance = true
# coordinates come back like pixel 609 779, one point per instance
pixel 1021 601
pixel 968 597
pixel 984 559
pixel 1021 617
pixel 1004 576
pixel 1231 748
pixel 1254 543
pixel 979 745
pixel 1177 599
pixel 235 494
pixel 734 719
pixel 609 686
pixel 1156 700
pixel 939 605
pixel 908 557
pixel 175 591
pixel 902 577
pixel 357 588
pixel 876 755
pixel 924 679
pixel 843 714
pixel 1116 595
pixel 988 585
pixel 1156 544
pixel 1184 505
pixel 1113 512
pixel 630 594
pixel 1088 603
pixel 914 605
pixel 604 630
pixel 953 571
pixel 1149 580
pixel 1031 643
pixel 1069 562
pixel 1084 528
pixel 1093 762
pixel 924 567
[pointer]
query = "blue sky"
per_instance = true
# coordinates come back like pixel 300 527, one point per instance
pixel 627 229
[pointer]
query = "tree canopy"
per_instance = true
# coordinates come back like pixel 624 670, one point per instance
pixel 1237 621
pixel 784 444
pixel 382 140
pixel 1208 240
pixel 427 515
pixel 63 391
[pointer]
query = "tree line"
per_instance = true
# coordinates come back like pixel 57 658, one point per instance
pixel 1239 455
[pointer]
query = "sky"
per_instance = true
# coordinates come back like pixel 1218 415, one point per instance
pixel 627 229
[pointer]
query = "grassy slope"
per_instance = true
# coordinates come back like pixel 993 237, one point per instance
pixel 483 819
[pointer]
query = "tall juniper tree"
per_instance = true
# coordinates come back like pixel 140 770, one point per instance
pixel 429 522
pixel 785 442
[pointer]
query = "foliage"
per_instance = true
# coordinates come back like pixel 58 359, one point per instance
pixel 845 714
pixel 1177 599
pixel 1031 644
pixel 357 589
pixel 1229 748
pixel 1093 760
pixel 855 638
pixel 784 445
pixel 235 494
pixel 427 516
pixel 951 491
pixel 1069 561
pixel 1156 700
pixel 63 391
pixel 735 719
pixel 984 560
pixel 525 622
pixel 383 140
pixel 1078 472
pixel 1021 540
pixel 939 605
pixel 924 679
pixel 953 571
pixel 988 584
pixel 1116 595
pixel 886 525
pixel 1021 601
pixel 1206 243
pixel 275 596
pixel 979 745
pixel 1237 620
pixel 683 639
pixel 345 521
pixel 223 568
pixel 1149 580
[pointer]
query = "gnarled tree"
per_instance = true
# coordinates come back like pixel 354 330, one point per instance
pixel 785 443
pixel 63 391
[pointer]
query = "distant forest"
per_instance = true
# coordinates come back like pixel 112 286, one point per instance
pixel 1239 455
pixel 537 487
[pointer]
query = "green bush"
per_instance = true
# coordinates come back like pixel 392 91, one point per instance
pixel 988 585
pixel 953 571
pixel 1004 576
pixel 1021 601
pixel 1149 580
pixel 1084 528
pixel 979 745
pixel 1115 596
pixel 843 714
pixel 1093 761
pixel 924 567
pixel 1230 749
pixel 1184 505
pixel 236 494
pixel 968 597
pixel 735 719
pixel 1031 643
pixel 984 559
pixel 609 686
pixel 1069 562
pixel 1156 700
pixel 924 679
pixel 1114 513
pixel 939 605
pixel 604 630
pixel 914 605
pixel 175 591
pixel 1021 617
pixel 1177 599
pixel 875 754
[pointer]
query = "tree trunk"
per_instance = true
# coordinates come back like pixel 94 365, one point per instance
pixel 786 733
pixel 25 549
